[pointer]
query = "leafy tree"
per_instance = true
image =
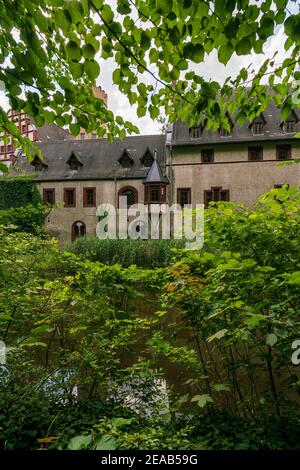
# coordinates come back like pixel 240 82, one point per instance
pixel 239 299
pixel 53 48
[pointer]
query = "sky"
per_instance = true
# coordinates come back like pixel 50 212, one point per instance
pixel 210 69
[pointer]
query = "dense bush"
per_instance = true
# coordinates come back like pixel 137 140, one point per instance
pixel 28 219
pixel 72 323
pixel 144 253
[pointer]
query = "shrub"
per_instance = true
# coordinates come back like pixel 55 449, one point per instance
pixel 144 253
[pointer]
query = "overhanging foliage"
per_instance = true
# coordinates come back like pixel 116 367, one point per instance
pixel 55 47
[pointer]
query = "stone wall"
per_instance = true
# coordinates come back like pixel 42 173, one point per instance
pixel 246 180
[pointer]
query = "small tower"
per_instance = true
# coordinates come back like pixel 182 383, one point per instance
pixel 155 184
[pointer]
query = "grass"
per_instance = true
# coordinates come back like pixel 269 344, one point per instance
pixel 143 253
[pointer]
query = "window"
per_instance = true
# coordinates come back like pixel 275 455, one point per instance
pixel 82 135
pixel 255 154
pixel 94 136
pixel 78 230
pixel 183 196
pixel 131 195
pixel 49 196
pixel 70 197
pixel 257 125
pixel 195 132
pixel 2 148
pixel 258 128
pixel 283 152
pixel 216 195
pixel 279 186
pixel 147 159
pixel 155 193
pixel 207 156
pixel 38 164
pixel 74 161
pixel 290 126
pixel 24 128
pixel 125 160
pixel 9 147
pixel 89 197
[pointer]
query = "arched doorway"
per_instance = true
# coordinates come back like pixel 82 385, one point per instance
pixel 78 229
pixel 130 193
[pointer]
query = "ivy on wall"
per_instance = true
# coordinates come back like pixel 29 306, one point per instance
pixel 17 192
pixel 21 205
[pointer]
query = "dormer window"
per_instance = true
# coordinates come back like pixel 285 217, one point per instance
pixel 258 128
pixel 74 161
pixel 196 132
pixel 125 160
pixel 38 164
pixel 290 126
pixel 147 159
pixel 257 125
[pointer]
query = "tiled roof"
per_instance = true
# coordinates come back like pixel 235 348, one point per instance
pixel 272 130
pixel 155 174
pixel 99 158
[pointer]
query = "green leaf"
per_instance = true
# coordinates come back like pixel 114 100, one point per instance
pixel 175 35
pixel 74 129
pixel 92 69
pixel 243 47
pixel 107 14
pixel 266 27
pixel 197 53
pixel 230 6
pixel 79 442
pixel 164 6
pixel 75 10
pixel 124 7
pixel 221 388
pixel 76 69
pixel 271 340
pixel 255 319
pixel 106 442
pixel 120 422
pixel 202 400
pixel 3 168
pixel 73 51
pixel 294 278
pixel 225 53
pixel 220 334
pixel 58 97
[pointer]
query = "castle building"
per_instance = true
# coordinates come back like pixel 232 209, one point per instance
pixel 27 127
pixel 46 133
pixel 188 165
pixel 236 166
